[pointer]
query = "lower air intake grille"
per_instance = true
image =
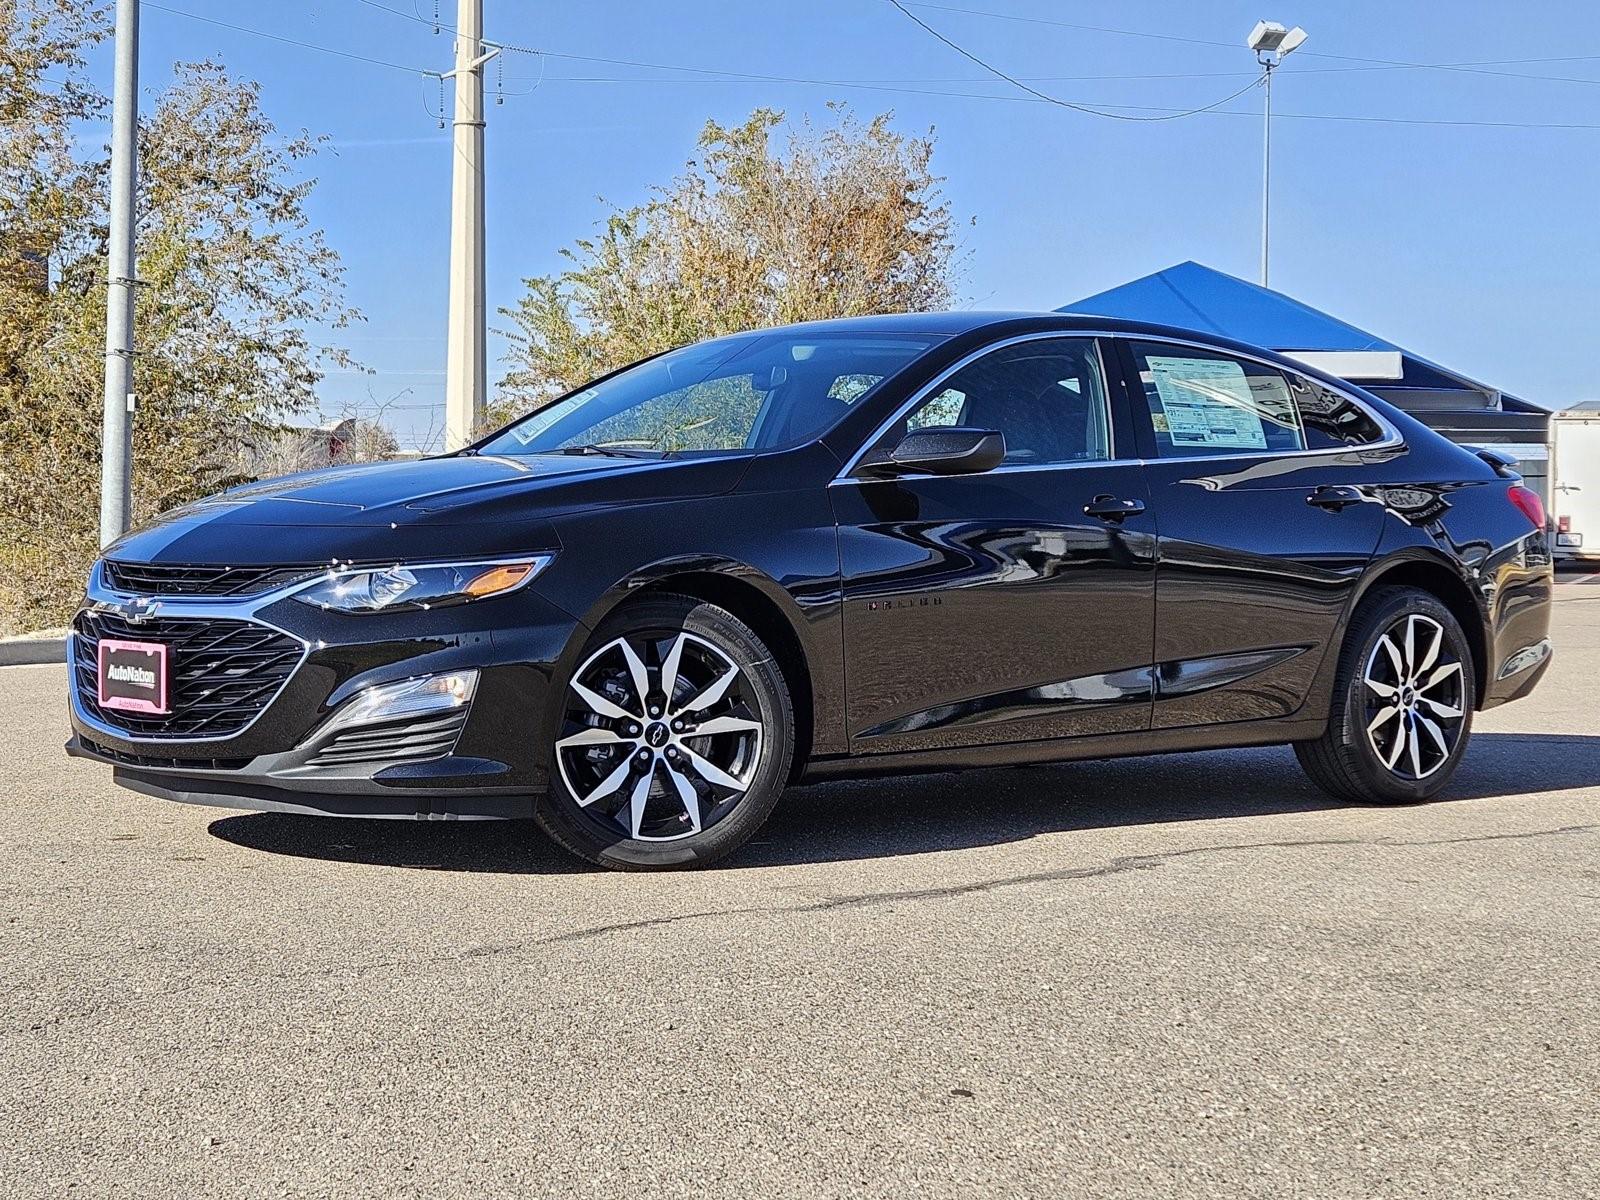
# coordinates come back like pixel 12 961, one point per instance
pixel 223 672
pixel 162 760
pixel 414 740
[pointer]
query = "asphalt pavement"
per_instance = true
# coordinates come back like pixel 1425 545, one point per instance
pixel 1176 977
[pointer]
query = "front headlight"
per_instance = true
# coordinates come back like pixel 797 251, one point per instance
pixel 403 588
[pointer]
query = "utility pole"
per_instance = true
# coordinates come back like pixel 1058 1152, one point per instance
pixel 116 437
pixel 1272 44
pixel 1266 171
pixel 466 354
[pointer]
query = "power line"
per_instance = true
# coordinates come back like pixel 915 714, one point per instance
pixel 840 83
pixel 1160 37
pixel 1045 96
pixel 1143 108
pixel 1364 63
pixel 438 23
pixel 288 41
pixel 718 75
pixel 1368 63
pixel 434 23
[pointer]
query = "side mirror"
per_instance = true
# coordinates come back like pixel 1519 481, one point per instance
pixel 942 450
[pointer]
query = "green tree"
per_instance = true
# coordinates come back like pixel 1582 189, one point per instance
pixel 233 278
pixel 836 222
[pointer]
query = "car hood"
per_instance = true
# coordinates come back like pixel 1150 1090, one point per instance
pixel 447 506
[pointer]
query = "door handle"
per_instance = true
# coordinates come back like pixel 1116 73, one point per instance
pixel 1113 508
pixel 1335 496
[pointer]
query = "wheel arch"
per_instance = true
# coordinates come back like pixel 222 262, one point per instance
pixel 1446 583
pixel 757 600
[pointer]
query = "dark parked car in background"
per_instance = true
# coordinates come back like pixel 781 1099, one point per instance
pixel 874 545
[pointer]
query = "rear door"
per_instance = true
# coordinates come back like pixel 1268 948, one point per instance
pixel 1255 484
pixel 1013 604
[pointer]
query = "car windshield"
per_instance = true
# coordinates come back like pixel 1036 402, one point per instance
pixel 759 391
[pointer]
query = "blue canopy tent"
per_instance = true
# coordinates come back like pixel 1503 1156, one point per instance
pixel 1193 296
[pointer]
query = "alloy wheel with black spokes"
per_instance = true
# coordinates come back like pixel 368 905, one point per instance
pixel 673 740
pixel 1402 705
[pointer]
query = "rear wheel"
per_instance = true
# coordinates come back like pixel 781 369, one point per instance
pixel 673 742
pixel 1402 703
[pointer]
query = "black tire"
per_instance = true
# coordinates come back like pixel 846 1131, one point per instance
pixel 1347 761
pixel 669 837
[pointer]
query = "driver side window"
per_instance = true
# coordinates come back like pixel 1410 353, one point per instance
pixel 1046 397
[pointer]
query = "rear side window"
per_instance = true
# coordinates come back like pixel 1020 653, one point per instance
pixel 1208 402
pixel 1203 402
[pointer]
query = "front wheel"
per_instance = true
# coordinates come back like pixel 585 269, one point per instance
pixel 1402 703
pixel 673 742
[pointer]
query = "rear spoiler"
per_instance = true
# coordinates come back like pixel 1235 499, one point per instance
pixel 1504 465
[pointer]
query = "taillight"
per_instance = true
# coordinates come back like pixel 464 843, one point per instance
pixel 1528 501
pixel 1563 524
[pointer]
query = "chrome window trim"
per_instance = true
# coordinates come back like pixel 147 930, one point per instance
pixel 1391 440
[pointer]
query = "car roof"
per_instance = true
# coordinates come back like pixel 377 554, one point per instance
pixel 951 324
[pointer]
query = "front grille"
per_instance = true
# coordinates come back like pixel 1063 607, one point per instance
pixel 414 740
pixel 223 672
pixel 177 579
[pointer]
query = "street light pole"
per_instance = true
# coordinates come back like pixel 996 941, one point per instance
pixel 466 350
pixel 116 433
pixel 1272 44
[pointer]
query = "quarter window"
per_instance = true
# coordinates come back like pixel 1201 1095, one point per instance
pixel 1047 397
pixel 1331 420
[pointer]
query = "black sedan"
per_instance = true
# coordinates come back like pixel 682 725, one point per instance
pixel 874 545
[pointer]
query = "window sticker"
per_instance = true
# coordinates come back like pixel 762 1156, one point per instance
pixel 541 420
pixel 1207 402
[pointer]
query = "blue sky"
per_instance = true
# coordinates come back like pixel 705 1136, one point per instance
pixel 1474 244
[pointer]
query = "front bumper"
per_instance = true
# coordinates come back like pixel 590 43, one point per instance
pixel 257 788
pixel 489 762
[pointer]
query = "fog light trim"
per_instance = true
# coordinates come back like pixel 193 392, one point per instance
pixel 403 699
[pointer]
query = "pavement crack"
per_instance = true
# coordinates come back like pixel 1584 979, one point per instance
pixel 1122 864
pixel 1146 862
pixel 1492 837
pixel 579 935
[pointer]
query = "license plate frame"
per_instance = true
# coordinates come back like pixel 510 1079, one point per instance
pixel 131 692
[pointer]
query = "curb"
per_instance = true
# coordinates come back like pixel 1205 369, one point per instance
pixel 29 652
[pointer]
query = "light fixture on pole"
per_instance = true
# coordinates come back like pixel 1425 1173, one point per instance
pixel 1272 44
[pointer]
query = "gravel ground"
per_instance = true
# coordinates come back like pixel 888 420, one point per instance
pixel 1184 976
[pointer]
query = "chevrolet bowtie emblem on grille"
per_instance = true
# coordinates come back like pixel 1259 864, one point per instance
pixel 138 610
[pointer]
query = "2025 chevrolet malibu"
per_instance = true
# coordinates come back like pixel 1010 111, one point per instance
pixel 872 545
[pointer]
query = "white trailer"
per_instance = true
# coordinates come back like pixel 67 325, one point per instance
pixel 1575 481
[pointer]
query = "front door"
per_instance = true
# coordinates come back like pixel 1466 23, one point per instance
pixel 1255 477
pixel 1013 604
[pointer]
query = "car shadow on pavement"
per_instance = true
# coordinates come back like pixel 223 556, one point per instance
pixel 919 814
